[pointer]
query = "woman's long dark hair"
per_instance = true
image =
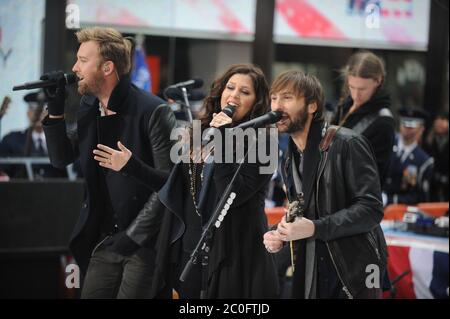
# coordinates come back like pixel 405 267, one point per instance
pixel 212 105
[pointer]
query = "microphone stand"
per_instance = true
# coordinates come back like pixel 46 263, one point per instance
pixel 202 248
pixel 186 102
pixel 393 289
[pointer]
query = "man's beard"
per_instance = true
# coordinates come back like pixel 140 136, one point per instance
pixel 298 123
pixel 93 86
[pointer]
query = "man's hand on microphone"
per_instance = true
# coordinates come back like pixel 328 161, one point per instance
pixel 55 94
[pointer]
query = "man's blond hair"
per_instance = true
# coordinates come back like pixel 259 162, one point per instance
pixel 112 46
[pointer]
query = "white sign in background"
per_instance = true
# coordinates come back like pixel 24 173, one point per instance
pixel 392 24
pixel 21 52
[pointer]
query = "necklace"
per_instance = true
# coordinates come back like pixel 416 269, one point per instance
pixel 193 186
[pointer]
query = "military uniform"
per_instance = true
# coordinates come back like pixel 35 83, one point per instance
pixel 28 143
pixel 409 176
pixel 411 168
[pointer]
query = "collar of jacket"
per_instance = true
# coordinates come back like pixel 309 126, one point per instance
pixel 116 102
pixel 311 158
pixel 381 99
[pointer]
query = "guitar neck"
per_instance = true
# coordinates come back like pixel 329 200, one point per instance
pixel 5 104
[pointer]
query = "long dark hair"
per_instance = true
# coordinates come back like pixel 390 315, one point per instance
pixel 212 105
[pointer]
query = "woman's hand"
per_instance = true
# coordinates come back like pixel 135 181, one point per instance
pixel 110 158
pixel 272 242
pixel 220 119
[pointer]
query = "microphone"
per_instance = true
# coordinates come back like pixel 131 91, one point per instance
pixel 268 118
pixel 189 84
pixel 229 110
pixel 176 94
pixel 69 78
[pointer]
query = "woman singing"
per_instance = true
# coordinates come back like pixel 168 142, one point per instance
pixel 239 265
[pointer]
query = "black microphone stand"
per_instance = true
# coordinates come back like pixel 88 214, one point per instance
pixel 187 104
pixel 203 246
pixel 393 289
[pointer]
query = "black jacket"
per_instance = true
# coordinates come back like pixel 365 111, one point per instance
pixel 239 265
pixel 439 184
pixel 143 123
pixel 343 190
pixel 380 133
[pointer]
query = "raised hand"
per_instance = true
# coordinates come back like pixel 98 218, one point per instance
pixel 55 94
pixel 220 119
pixel 111 158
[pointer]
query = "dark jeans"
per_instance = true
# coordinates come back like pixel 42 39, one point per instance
pixel 111 275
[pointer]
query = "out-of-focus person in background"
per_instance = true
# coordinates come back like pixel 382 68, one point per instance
pixel 436 145
pixel 29 142
pixel 411 168
pixel 365 106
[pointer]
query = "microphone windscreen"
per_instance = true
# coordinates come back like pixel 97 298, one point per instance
pixel 177 95
pixel 173 93
pixel 277 115
pixel 196 95
pixel 198 83
pixel 229 110
pixel 71 78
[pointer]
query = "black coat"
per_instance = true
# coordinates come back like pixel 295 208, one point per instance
pixel 342 189
pixel 439 184
pixel 380 133
pixel 239 265
pixel 143 123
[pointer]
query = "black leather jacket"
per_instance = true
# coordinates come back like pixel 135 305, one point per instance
pixel 143 123
pixel 346 197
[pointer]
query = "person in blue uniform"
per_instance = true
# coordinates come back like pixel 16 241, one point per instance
pixel 29 143
pixel 436 145
pixel 411 168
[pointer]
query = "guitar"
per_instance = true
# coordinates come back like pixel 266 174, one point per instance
pixel 5 106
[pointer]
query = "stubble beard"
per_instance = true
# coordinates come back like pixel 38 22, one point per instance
pixel 92 86
pixel 298 123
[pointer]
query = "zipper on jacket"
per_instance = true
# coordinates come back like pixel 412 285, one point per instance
pixel 373 244
pixel 344 287
pixel 98 245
